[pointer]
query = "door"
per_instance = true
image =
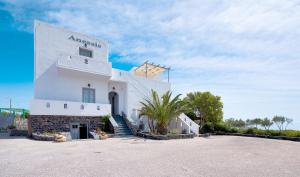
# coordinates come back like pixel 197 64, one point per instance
pixel 75 130
pixel 114 101
pixel 88 95
pixel 83 129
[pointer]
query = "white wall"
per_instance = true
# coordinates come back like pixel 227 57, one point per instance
pixel 50 83
pixel 138 88
pixel 39 107
pixel 121 89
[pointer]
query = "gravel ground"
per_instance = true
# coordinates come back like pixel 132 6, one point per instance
pixel 214 156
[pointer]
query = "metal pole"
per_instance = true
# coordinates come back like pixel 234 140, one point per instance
pixel 10 106
pixel 168 75
pixel 146 69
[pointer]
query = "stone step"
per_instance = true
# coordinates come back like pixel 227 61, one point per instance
pixel 123 129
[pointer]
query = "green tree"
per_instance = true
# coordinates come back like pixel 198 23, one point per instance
pixel 249 123
pixel 279 121
pixel 288 121
pixel 161 110
pixel 237 123
pixel 256 122
pixel 206 106
pixel 266 123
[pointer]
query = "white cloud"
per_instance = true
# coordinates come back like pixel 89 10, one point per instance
pixel 242 50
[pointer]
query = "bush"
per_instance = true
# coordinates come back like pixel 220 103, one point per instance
pixel 222 127
pixel 219 127
pixel 105 120
pixel 207 128
pixel 255 131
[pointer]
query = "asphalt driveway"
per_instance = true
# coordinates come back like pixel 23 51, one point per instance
pixel 214 156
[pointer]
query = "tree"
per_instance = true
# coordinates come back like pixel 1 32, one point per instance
pixel 266 123
pixel 237 123
pixel 161 110
pixel 256 122
pixel 206 106
pixel 249 123
pixel 279 121
pixel 288 121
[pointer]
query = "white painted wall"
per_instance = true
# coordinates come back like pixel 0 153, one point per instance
pixel 138 89
pixel 121 89
pixel 39 107
pixel 51 43
pixel 56 78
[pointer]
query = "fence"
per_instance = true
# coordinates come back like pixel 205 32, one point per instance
pixel 6 120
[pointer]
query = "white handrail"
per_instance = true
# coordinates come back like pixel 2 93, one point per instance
pixel 113 122
pixel 193 126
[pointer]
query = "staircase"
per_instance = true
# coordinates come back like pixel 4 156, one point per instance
pixel 123 129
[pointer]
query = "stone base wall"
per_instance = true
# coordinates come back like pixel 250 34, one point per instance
pixel 54 123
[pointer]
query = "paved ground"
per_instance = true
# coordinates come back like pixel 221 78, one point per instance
pixel 214 156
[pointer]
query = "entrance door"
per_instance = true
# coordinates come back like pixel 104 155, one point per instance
pixel 114 101
pixel 88 95
pixel 75 130
pixel 83 129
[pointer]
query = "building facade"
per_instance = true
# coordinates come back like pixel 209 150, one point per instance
pixel 75 84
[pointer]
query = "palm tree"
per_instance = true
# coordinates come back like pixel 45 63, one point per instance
pixel 161 110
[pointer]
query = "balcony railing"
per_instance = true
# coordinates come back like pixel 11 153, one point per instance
pixel 84 64
pixel 54 107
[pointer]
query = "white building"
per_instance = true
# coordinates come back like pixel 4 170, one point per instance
pixel 74 82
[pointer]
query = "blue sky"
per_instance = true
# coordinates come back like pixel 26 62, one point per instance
pixel 245 51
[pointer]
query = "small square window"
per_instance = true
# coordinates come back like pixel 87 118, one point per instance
pixel 86 61
pixel 82 107
pixel 65 106
pixel 85 52
pixel 98 108
pixel 48 105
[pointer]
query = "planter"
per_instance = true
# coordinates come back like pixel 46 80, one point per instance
pixel 42 137
pixel 165 137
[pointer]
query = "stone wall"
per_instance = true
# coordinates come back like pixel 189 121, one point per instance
pixel 53 123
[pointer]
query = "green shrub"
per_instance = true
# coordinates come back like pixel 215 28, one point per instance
pixel 105 120
pixel 249 131
pixel 293 133
pixel 254 131
pixel 207 128
pixel 219 127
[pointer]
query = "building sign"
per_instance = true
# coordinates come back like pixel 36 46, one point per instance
pixel 94 44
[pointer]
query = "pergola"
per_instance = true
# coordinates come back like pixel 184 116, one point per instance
pixel 151 70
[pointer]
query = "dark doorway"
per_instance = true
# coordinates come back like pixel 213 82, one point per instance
pixel 83 131
pixel 114 101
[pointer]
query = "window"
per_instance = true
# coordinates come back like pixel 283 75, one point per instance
pixel 86 61
pixel 65 106
pixel 88 95
pixel 85 52
pixel 98 108
pixel 48 105
pixel 82 107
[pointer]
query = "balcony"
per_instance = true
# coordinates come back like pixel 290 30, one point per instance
pixel 68 108
pixel 84 64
